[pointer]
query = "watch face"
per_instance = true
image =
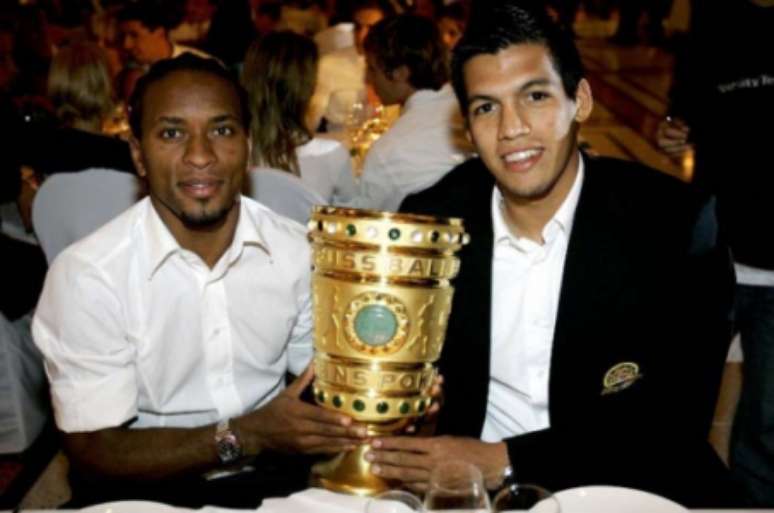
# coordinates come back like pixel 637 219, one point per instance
pixel 228 447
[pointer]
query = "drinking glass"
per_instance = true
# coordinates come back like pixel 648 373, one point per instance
pixel 394 501
pixel 525 497
pixel 458 486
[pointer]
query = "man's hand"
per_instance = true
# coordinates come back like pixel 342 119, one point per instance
pixel 672 136
pixel 27 191
pixel 410 459
pixel 428 419
pixel 288 424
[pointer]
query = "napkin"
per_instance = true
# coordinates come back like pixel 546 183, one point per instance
pixel 317 500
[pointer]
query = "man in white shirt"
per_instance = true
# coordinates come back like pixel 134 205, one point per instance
pixel 145 34
pixel 590 318
pixel 168 333
pixel 407 66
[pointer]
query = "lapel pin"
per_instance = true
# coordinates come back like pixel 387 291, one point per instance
pixel 620 377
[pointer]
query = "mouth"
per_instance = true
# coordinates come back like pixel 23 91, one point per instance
pixel 522 160
pixel 200 188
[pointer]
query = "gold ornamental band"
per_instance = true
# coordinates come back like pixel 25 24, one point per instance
pixel 371 408
pixel 376 377
pixel 370 227
pixel 336 259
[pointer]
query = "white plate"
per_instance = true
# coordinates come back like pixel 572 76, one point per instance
pixel 132 507
pixel 613 499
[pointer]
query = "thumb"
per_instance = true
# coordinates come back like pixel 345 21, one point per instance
pixel 302 381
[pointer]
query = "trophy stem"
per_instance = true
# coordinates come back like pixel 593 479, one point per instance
pixel 349 472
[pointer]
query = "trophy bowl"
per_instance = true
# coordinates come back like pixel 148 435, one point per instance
pixel 382 296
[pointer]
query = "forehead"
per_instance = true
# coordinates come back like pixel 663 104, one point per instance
pixel 190 94
pixel 134 26
pixel 514 65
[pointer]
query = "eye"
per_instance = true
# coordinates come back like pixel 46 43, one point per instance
pixel 224 130
pixel 538 96
pixel 482 108
pixel 170 133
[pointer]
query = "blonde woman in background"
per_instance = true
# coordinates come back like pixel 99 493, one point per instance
pixel 280 73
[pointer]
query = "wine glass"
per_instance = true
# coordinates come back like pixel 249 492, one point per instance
pixel 525 497
pixel 394 501
pixel 456 485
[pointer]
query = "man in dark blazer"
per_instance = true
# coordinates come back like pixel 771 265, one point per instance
pixel 633 291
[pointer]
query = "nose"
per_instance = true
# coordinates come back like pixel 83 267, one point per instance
pixel 512 123
pixel 198 152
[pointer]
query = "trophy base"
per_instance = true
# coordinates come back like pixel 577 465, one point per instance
pixel 349 473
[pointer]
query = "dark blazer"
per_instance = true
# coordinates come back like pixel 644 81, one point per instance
pixel 645 281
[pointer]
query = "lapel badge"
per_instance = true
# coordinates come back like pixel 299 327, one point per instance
pixel 620 377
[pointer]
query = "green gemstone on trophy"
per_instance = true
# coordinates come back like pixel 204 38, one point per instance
pixel 421 407
pixel 382 407
pixel 351 230
pixel 320 396
pixel 394 234
pixel 358 405
pixel 404 408
pixel 337 401
pixel 375 325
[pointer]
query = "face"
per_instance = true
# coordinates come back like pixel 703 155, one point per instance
pixel 193 151
pixel 364 19
pixel 143 45
pixel 523 124
pixel 451 32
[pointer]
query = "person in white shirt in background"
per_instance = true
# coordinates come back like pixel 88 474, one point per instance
pixel 407 66
pixel 280 74
pixel 167 334
pixel 341 79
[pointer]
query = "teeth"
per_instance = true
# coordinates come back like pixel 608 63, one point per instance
pixel 518 156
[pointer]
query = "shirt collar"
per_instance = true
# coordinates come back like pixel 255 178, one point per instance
pixel 162 244
pixel 562 219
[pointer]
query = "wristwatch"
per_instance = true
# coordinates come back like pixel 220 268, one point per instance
pixel 226 442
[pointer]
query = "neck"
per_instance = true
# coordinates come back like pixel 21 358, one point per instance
pixel 527 217
pixel 208 242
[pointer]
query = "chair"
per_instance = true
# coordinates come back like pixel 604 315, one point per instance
pixel 70 206
pixel 282 192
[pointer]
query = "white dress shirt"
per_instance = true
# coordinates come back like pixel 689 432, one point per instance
pixel 526 281
pixel 426 142
pixel 326 167
pixel 135 328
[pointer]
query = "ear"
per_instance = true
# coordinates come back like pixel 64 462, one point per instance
pixel 139 164
pixel 400 74
pixel 584 101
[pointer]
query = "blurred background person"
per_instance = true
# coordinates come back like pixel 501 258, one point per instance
pixel 280 74
pixel 451 21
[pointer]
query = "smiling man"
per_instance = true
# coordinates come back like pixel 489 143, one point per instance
pixel 168 333
pixel 590 319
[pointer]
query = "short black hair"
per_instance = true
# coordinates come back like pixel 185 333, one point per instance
pixel 149 13
pixel 496 27
pixel 185 62
pixel 411 41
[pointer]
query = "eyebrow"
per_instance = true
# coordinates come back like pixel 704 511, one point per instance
pixel 174 120
pixel 532 83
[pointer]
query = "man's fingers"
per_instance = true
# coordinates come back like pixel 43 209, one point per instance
pixel 399 459
pixel 321 415
pixel 300 383
pixel 407 475
pixel 402 443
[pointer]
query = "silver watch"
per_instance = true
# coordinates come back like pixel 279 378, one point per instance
pixel 226 443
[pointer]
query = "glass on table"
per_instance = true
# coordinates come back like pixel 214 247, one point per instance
pixel 525 497
pixel 456 486
pixel 394 501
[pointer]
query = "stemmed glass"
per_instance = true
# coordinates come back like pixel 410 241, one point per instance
pixel 456 485
pixel 525 497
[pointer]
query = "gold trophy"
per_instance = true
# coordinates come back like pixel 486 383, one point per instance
pixel 382 298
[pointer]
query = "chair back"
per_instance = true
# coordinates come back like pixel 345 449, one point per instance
pixel 282 192
pixel 70 206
